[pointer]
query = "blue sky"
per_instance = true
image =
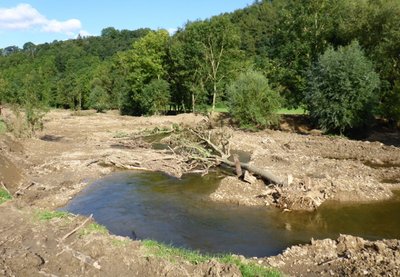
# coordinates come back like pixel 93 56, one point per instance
pixel 42 21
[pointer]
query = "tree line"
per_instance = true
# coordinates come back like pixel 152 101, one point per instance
pixel 339 59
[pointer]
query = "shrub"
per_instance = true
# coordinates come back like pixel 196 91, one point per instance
pixel 342 89
pixel 251 101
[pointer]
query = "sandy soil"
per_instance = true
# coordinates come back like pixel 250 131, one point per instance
pixel 47 171
pixel 315 169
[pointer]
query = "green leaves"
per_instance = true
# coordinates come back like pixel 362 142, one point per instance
pixel 252 102
pixel 342 88
pixel 146 62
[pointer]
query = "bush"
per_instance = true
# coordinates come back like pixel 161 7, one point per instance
pixel 342 89
pixel 99 99
pixel 251 101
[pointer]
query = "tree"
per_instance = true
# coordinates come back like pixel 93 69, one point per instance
pixel 99 99
pixel 342 89
pixel 252 103
pixel 144 63
pixel 208 56
pixel 155 97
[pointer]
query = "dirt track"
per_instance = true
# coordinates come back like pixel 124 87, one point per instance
pixel 73 150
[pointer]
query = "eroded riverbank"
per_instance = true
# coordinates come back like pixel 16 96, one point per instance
pixel 73 150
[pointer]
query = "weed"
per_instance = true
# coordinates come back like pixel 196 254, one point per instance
pixel 4 196
pixel 93 228
pixel 3 127
pixel 194 256
pixel 48 215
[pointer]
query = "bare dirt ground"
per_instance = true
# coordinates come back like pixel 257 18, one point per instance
pixel 45 172
pixel 315 168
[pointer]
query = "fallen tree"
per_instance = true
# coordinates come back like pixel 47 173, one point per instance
pixel 201 148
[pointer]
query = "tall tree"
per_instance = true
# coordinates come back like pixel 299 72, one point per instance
pixel 144 63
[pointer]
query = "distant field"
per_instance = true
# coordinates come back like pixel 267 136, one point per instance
pixel 299 111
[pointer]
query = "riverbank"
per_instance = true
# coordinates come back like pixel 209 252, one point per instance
pixel 45 172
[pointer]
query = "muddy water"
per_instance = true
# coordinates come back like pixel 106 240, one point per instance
pixel 156 206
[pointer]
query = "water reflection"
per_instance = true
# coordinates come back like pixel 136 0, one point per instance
pixel 160 207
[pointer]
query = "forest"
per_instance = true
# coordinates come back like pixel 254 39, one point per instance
pixel 339 60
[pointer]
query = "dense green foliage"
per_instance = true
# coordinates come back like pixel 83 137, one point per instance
pixel 342 89
pixel 252 102
pixel 282 39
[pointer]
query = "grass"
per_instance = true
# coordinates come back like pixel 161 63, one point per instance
pixel 223 108
pixel 48 215
pixel 4 196
pixel 248 269
pixel 298 111
pixel 219 107
pixel 3 127
pixel 93 228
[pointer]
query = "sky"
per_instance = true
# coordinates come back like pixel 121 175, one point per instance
pixel 40 21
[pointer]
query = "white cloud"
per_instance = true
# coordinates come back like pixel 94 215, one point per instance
pixel 25 17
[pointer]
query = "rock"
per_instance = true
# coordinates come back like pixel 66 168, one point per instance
pixel 380 247
pixel 289 179
pixel 247 177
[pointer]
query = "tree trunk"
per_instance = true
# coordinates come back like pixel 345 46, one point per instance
pixel 214 97
pixel 193 103
pixel 238 167
pixel 268 176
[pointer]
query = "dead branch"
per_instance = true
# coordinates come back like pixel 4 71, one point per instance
pixel 82 257
pixel 238 167
pixel 199 152
pixel 21 191
pixel 77 228
pixel 209 143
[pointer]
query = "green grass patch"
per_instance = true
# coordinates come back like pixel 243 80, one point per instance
pixel 93 228
pixel 298 111
pixel 3 127
pixel 248 269
pixel 4 196
pixel 223 108
pixel 120 242
pixel 219 107
pixel 48 215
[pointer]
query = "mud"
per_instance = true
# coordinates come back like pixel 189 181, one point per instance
pixel 72 151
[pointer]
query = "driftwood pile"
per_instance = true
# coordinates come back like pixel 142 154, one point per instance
pixel 201 149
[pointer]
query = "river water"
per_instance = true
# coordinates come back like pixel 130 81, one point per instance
pixel 175 211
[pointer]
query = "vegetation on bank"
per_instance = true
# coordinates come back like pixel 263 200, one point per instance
pixel 4 196
pixel 247 268
pixel 293 44
pixel 49 215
